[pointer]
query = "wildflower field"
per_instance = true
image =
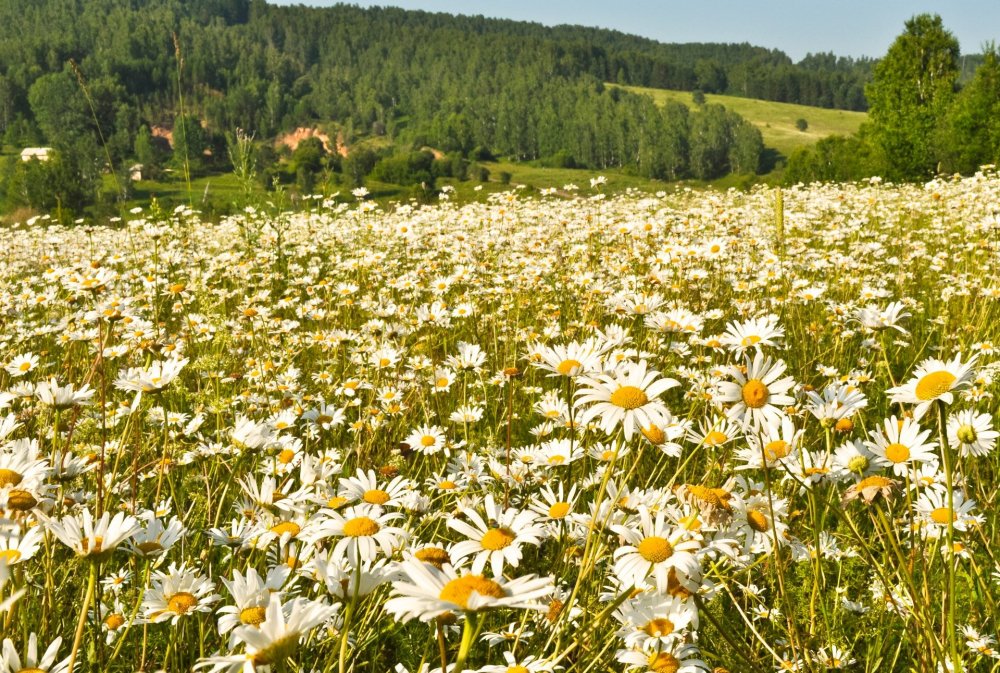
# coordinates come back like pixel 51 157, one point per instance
pixel 560 432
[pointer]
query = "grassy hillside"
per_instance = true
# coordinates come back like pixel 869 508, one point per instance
pixel 776 121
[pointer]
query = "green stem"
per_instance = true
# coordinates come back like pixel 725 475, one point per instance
pixel 81 622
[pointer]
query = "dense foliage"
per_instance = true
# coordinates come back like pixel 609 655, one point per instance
pixel 922 119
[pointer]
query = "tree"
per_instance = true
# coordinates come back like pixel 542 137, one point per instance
pixel 801 124
pixel 910 93
pixel 969 135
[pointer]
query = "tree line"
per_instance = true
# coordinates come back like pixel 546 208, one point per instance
pixel 93 78
pixel 930 113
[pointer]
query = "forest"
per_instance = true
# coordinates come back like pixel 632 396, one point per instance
pixel 91 79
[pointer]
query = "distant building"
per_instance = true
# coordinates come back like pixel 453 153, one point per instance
pixel 35 153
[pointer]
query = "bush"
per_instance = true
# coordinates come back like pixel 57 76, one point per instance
pixel 505 177
pixel 801 124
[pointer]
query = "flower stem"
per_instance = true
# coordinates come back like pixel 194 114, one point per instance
pixel 468 633
pixel 91 584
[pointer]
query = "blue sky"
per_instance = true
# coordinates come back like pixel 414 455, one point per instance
pixel 845 27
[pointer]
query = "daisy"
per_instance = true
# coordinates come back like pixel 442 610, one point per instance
pixel 498 538
pixel 876 320
pixel 16 548
pixel 22 364
pixel 627 397
pixel 62 397
pixel 758 519
pixel 426 439
pixel 251 594
pixel 898 444
pixel 97 539
pixel 179 591
pixel 554 505
pixel 836 403
pixel 936 514
pixel 529 664
pixel 572 360
pixel 152 379
pixel 277 636
pixel 156 539
pixel 428 591
pixel 11 661
pixel 759 396
pixel 362 530
pixel 775 443
pixel 677 658
pixel 934 380
pixel 754 333
pixel 364 487
pixel 651 620
pixel 655 548
pixel 971 434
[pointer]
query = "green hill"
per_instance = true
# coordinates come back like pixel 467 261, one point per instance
pixel 776 121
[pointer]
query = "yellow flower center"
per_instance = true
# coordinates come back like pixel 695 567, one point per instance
pixel 25 366
pixel 92 549
pixel 286 456
pixel 287 527
pixel 114 621
pixel 755 394
pixel 659 627
pixel 517 669
pixel 569 367
pixel 428 440
pixel 433 555
pixel 897 453
pixel 362 526
pixel 181 602
pixel 447 485
pixel 758 521
pixel 629 397
pixel 253 615
pixel 559 510
pixel 715 438
pixel 654 434
pixel 12 556
pixel 497 538
pixel 966 434
pixel 376 496
pixel 460 589
pixel 655 549
pixel 10 477
pixel 874 481
pixel 664 662
pixel 933 385
pixel 20 500
pixel 844 425
pixel 858 464
pixel 942 515
pixel 441 382
pixel 150 547
pixel 751 340
pixel 336 501
pixel 776 450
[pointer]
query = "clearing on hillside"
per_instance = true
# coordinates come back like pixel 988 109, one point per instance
pixel 776 121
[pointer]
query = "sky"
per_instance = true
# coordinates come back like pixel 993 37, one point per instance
pixel 797 27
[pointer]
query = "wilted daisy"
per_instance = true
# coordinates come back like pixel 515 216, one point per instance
pixel 428 591
pixel 627 397
pixel 934 380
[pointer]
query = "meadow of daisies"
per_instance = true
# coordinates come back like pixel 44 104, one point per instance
pixel 554 432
